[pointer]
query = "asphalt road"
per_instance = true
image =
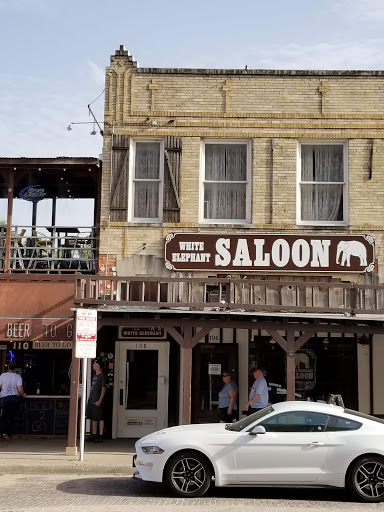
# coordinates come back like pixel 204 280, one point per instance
pixel 94 493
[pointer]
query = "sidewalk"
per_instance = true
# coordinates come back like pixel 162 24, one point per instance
pixel 47 456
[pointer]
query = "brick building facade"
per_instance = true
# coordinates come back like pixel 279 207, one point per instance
pixel 227 152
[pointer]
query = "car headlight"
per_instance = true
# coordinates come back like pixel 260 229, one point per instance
pixel 152 450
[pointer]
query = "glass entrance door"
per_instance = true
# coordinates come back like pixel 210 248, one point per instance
pixel 142 388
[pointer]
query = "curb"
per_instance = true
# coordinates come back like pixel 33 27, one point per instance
pixel 73 469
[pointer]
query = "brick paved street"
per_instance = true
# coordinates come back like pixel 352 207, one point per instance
pixel 96 493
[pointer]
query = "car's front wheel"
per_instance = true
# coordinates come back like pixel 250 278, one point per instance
pixel 188 474
pixel 365 479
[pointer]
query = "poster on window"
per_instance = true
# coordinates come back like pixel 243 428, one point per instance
pixel 305 370
pixel 269 253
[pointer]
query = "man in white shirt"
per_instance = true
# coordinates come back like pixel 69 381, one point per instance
pixel 258 396
pixel 11 388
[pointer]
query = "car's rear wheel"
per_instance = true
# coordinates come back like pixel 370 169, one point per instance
pixel 188 474
pixel 365 479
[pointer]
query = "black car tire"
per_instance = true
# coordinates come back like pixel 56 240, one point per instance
pixel 365 479
pixel 188 474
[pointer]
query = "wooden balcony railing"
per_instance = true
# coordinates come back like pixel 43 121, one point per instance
pixel 56 249
pixel 232 294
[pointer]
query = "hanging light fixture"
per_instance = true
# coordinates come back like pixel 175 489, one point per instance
pixel 325 343
pixel 272 342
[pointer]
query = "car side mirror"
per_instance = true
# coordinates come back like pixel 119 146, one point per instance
pixel 259 429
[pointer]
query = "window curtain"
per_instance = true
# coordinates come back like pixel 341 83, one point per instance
pixel 322 201
pixel 146 181
pixel 225 163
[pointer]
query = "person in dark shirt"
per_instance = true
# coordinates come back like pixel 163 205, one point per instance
pixel 95 409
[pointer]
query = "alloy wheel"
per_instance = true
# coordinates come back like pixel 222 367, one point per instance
pixel 188 475
pixel 369 480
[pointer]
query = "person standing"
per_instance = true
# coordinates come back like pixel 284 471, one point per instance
pixel 95 406
pixel 11 389
pixel 258 396
pixel 227 398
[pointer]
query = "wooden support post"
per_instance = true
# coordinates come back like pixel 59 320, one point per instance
pixel 186 342
pixel 2 360
pixel 290 355
pixel 186 364
pixel 8 239
pixel 73 406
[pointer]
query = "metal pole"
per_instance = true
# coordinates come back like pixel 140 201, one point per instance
pixel 83 403
pixel 210 392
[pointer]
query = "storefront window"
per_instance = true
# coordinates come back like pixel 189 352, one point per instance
pixel 44 372
pixel 323 366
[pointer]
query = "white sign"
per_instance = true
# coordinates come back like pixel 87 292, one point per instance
pixel 86 333
pixel 214 369
pixel 141 422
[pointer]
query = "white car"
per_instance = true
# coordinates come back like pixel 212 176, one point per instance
pixel 286 444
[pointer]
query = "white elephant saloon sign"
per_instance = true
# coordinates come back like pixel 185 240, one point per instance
pixel 305 370
pixel 272 253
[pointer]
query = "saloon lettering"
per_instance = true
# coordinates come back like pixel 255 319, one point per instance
pixel 257 252
pixel 301 253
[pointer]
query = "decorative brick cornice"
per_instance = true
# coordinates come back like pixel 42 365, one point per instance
pixel 302 134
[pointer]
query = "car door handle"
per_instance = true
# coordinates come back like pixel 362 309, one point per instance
pixel 317 443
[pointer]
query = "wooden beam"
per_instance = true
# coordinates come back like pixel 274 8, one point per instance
pixel 266 325
pixel 290 355
pixel 186 341
pixel 8 239
pixel 301 340
pixel 175 334
pixel 186 365
pixel 73 406
pixel 279 338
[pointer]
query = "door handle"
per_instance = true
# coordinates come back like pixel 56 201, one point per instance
pixel 317 443
pixel 121 397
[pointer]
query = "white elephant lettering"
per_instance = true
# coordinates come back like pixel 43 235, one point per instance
pixel 348 249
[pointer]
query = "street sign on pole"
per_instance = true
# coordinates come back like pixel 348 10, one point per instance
pixel 86 333
pixel 86 337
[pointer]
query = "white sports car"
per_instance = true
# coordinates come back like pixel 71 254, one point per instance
pixel 286 444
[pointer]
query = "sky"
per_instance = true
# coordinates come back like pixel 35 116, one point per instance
pixel 53 53
pixel 53 56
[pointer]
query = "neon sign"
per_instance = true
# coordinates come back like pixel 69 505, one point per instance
pixel 32 193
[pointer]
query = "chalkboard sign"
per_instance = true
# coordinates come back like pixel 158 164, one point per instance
pixel 42 416
pixel 61 417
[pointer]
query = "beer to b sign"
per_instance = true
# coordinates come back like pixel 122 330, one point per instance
pixel 86 332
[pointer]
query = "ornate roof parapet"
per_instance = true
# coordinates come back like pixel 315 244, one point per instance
pixel 124 57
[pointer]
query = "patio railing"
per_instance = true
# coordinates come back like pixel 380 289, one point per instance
pixel 232 294
pixel 58 249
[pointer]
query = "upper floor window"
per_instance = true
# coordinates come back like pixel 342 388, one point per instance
pixel 147 181
pixel 226 182
pixel 322 189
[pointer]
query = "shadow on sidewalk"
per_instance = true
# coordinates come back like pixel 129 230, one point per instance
pixel 112 486
pixel 122 486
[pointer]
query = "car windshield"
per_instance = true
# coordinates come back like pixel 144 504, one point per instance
pixel 242 424
pixel 363 415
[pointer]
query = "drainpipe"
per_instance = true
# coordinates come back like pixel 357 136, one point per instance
pixel 271 186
